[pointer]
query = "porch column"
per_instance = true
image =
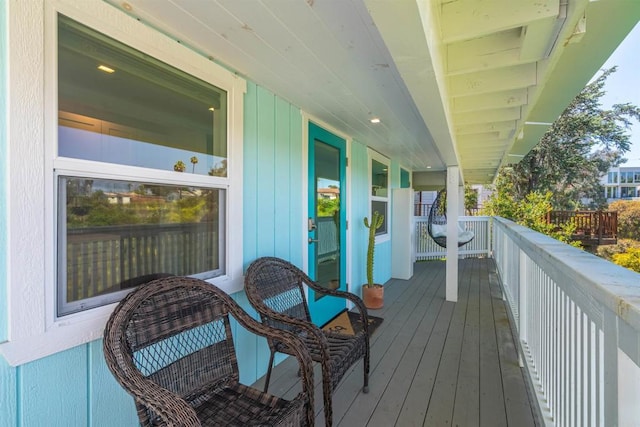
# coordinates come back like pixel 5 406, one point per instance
pixel 453 203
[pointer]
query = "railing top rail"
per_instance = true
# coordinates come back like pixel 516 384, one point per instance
pixel 615 287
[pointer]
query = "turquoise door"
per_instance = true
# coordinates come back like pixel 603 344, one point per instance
pixel 327 221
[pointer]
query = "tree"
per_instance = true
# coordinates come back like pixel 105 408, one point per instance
pixel 470 199
pixel 530 212
pixel 628 218
pixel 581 146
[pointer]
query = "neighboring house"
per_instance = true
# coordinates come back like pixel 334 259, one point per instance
pixel 622 182
pixel 260 104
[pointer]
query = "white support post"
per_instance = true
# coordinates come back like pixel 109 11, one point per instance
pixel 452 233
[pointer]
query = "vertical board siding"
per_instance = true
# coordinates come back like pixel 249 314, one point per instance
pixel 250 165
pixel 75 387
pixel 4 155
pixel 265 173
pixel 103 388
pixel 382 262
pixel 8 387
pixel 359 163
pixel 54 390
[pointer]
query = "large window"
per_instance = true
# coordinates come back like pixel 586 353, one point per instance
pixel 119 173
pixel 612 178
pixel 380 190
pixel 122 112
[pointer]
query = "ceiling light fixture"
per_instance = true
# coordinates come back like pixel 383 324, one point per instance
pixel 106 69
pixel 212 109
pixel 375 120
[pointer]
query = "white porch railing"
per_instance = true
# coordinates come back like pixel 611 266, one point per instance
pixel 578 320
pixel 427 249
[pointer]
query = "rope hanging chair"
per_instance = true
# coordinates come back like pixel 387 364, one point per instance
pixel 437 223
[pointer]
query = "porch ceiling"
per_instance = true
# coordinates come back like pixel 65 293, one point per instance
pixel 454 82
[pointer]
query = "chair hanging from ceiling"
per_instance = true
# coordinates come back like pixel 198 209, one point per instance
pixel 437 223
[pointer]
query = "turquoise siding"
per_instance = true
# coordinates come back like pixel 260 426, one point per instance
pixel 74 387
pixel 359 161
pixel 3 172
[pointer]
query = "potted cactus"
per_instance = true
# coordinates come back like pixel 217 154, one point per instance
pixel 372 293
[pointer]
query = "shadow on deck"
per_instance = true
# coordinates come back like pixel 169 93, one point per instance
pixel 433 363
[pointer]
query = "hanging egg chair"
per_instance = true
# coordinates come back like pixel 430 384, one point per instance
pixel 437 223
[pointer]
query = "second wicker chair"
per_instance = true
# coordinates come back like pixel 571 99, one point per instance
pixel 275 288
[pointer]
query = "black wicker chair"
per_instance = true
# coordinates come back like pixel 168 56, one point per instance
pixel 169 344
pixel 437 223
pixel 275 288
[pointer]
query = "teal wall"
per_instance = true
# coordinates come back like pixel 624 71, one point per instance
pixel 3 171
pixel 74 387
pixel 359 161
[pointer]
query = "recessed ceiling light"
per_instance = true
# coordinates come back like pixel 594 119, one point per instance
pixel 106 69
pixel 428 167
pixel 375 120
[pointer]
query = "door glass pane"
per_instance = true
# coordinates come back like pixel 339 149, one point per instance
pixel 327 166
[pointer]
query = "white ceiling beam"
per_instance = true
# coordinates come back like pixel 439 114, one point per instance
pixel 489 101
pixel 501 127
pixel 515 77
pixel 497 115
pixel 484 53
pixel 467 19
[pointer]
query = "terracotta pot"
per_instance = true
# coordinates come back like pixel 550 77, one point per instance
pixel 373 297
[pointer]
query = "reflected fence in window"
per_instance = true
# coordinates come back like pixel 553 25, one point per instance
pixel 101 259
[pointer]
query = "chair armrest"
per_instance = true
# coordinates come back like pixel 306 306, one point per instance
pixel 356 300
pixel 292 342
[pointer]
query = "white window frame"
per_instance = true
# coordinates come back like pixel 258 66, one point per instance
pixel 33 329
pixel 374 155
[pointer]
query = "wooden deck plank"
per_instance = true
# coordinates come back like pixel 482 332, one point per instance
pixel 434 363
pixel 386 353
pixel 440 411
pixel 392 400
pixel 492 410
pixel 466 411
pixel 517 403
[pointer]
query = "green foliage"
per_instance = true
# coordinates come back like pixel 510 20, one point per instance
pixel 581 145
pixel 376 222
pixel 629 259
pixel 628 218
pixel 608 251
pixel 530 212
pixel 470 198
pixel 327 207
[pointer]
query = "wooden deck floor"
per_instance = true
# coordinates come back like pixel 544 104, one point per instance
pixel 433 363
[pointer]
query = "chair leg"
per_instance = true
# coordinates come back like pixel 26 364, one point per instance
pixel 365 387
pixel 328 398
pixel 266 380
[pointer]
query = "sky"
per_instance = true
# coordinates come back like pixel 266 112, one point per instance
pixel 624 85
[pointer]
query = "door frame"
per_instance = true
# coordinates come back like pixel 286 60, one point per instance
pixel 306 120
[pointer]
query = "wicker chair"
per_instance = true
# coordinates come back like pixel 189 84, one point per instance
pixel 275 288
pixel 169 344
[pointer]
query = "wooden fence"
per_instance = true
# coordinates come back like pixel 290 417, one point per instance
pixel 592 227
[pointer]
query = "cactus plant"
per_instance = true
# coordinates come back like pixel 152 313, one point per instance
pixel 376 222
